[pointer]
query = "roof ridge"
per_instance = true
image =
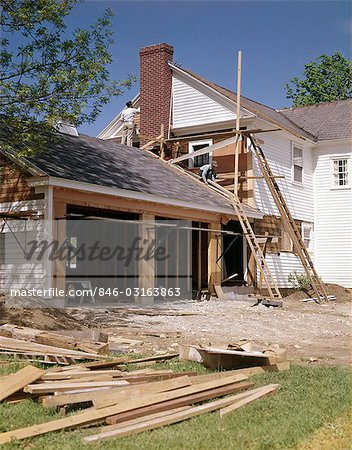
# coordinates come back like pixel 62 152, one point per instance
pixel 314 104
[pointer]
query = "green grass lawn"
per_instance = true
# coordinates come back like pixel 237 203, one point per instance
pixel 310 398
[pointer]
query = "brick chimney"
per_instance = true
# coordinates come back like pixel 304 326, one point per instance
pixel 155 88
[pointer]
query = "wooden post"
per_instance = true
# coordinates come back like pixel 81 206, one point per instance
pixel 146 267
pixel 162 144
pixel 59 225
pixel 214 251
pixel 238 113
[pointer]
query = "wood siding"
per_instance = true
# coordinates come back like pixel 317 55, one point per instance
pixel 299 198
pixel 333 212
pixel 193 104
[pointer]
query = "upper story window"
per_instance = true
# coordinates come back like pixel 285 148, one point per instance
pixel 199 161
pixel 297 163
pixel 340 172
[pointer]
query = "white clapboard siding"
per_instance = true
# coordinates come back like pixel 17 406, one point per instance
pixel 194 105
pixel 299 198
pixel 281 266
pixel 15 271
pixel 333 223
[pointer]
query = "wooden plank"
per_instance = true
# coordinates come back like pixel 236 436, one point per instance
pixel 169 419
pixel 238 115
pixel 219 292
pixel 162 397
pixel 52 386
pixel 249 371
pixel 182 401
pixel 118 394
pixel 143 418
pixel 125 360
pixel 204 151
pixel 98 415
pixel 265 391
pixel 32 347
pixel 52 339
pixel 19 380
pixel 69 374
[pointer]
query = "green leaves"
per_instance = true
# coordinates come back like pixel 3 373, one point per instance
pixel 328 78
pixel 52 74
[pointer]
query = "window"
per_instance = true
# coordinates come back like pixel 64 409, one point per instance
pixel 307 235
pixel 199 161
pixel 297 163
pixel 340 172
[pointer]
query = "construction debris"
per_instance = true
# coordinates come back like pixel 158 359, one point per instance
pixel 130 402
pixel 228 358
pixel 116 392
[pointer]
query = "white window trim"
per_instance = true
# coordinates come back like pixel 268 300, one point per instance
pixel 191 150
pixel 336 158
pixel 310 226
pixel 297 183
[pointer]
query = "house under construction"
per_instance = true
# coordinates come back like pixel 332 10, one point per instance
pixel 293 181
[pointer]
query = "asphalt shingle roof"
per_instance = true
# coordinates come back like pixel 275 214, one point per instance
pixel 325 120
pixel 102 162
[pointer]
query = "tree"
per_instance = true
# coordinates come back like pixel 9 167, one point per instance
pixel 51 74
pixel 328 78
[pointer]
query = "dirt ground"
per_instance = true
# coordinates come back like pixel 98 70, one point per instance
pixel 312 333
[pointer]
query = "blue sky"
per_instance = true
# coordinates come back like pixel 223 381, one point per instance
pixel 276 38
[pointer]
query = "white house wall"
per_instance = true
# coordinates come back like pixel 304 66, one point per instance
pixel 299 198
pixel 333 211
pixel 277 148
pixel 281 266
pixel 193 106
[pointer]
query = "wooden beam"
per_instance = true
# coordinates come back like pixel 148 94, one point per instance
pixel 134 428
pixel 204 151
pixel 238 113
pixel 148 144
pixel 265 391
pixel 214 251
pixel 118 394
pixel 178 402
pixel 220 133
pixel 162 397
pixel 19 380
pixel 94 416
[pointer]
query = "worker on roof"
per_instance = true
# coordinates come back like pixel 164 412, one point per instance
pixel 128 125
pixel 208 171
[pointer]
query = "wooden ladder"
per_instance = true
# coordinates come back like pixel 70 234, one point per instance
pixel 289 222
pixel 252 241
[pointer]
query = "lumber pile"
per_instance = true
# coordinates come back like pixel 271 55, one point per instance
pixel 236 356
pixel 126 402
pixel 53 339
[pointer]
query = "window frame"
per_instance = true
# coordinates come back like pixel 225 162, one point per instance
pixel 300 147
pixel 191 150
pixel 310 226
pixel 332 173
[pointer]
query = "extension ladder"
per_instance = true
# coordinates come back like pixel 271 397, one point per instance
pixel 248 232
pixel 289 222
pixel 252 241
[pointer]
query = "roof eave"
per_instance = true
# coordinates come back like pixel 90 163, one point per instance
pixel 133 195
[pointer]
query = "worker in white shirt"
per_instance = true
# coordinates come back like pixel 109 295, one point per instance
pixel 208 171
pixel 127 117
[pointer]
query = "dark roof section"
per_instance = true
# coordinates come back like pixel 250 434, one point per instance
pixel 102 162
pixel 262 111
pixel 325 120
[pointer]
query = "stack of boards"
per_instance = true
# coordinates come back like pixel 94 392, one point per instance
pixel 126 402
